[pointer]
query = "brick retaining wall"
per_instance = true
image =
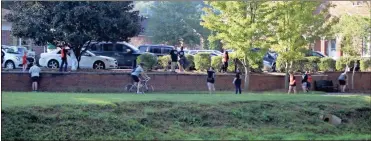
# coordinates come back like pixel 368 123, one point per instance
pixel 114 82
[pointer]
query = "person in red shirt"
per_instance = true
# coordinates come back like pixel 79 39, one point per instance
pixel 64 52
pixel 24 61
pixel 309 80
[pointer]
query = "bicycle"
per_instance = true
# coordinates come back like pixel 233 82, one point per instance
pixel 144 87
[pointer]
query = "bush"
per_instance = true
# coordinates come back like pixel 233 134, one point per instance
pixel 342 62
pixel 365 64
pixel 312 64
pixel 148 59
pixel 216 62
pixel 202 61
pixel 164 61
pixel 326 64
pixel 191 62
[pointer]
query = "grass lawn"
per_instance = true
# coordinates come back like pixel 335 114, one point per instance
pixel 266 116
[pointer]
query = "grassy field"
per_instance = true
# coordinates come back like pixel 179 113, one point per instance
pixel 265 116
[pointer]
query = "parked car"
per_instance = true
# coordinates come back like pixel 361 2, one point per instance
pixel 125 53
pixel 88 60
pixel 212 52
pixel 159 50
pixel 13 56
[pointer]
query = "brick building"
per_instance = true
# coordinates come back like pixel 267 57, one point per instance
pixel 332 47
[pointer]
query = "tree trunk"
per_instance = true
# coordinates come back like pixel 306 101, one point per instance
pixel 286 75
pixel 247 77
pixel 354 70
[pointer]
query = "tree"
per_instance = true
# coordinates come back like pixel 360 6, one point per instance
pixel 74 22
pixel 295 26
pixel 176 22
pixel 352 39
pixel 242 26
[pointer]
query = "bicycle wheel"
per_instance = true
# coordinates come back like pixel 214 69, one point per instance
pixel 129 87
pixel 149 88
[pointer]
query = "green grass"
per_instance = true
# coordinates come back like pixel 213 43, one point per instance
pixel 264 116
pixel 13 99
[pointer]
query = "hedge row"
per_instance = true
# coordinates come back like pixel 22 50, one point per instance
pixel 203 61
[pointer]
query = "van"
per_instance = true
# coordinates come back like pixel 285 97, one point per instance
pixel 159 50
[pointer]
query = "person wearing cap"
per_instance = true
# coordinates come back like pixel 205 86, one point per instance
pixel 135 75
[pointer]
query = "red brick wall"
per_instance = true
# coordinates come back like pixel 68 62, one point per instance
pixel 114 82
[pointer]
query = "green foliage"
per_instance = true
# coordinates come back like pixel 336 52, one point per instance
pixel 164 61
pixel 74 22
pixel 365 64
pixel 312 64
pixel 148 59
pixel 173 22
pixel 343 62
pixel 216 62
pixel 202 61
pixel 191 62
pixel 326 64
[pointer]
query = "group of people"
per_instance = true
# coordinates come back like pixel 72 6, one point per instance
pixel 211 81
pixel 306 82
pixel 178 58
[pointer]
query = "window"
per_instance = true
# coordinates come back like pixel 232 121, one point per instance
pixel 333 45
pixel 94 47
pixel 155 49
pixel 119 48
pixel 166 50
pixel 107 47
pixel 143 48
pixel 126 49
pixel 357 3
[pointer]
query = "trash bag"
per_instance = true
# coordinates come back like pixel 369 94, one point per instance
pixel 73 61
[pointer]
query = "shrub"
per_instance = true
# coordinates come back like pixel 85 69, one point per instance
pixel 202 61
pixel 191 62
pixel 164 61
pixel 326 64
pixel 216 62
pixel 148 59
pixel 365 64
pixel 342 62
pixel 312 64
pixel 280 64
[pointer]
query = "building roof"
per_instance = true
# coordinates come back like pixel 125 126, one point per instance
pixel 361 8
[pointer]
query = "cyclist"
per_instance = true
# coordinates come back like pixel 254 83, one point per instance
pixel 135 75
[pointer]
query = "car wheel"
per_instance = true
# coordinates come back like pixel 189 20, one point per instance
pixel 9 65
pixel 98 65
pixel 53 64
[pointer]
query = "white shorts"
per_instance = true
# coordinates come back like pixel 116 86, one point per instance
pixel 211 86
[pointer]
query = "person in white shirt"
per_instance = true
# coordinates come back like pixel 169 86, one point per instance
pixel 135 75
pixel 35 74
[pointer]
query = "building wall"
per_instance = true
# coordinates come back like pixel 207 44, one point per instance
pixel 114 82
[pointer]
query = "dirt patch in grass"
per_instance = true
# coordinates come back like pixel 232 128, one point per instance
pixel 176 120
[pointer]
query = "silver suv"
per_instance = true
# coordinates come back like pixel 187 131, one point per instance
pixel 13 56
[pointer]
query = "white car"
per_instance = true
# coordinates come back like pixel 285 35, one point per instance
pixel 13 56
pixel 88 60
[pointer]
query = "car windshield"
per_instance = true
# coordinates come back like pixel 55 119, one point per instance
pixel 132 47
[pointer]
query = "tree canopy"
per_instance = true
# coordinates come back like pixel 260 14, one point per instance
pixel 176 22
pixel 74 22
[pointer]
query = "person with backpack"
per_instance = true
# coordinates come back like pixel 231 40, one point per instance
pixel 64 58
pixel 237 83
pixel 304 81
pixel 182 60
pixel 211 80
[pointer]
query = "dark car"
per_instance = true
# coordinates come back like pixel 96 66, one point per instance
pixel 159 50
pixel 125 53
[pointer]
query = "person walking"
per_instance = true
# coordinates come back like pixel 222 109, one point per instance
pixel 35 75
pixel 292 83
pixel 304 82
pixel 342 81
pixel 225 60
pixel 309 82
pixel 237 83
pixel 24 61
pixel 174 59
pixel 211 80
pixel 64 58
pixel 182 59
